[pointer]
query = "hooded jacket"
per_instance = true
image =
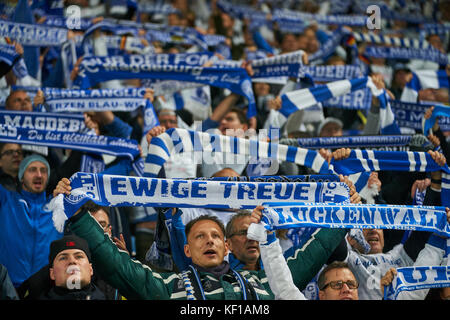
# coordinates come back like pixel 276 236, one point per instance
pixel 27 231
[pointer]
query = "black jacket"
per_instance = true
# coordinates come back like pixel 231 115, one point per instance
pixel 90 292
pixel 39 284
pixel 10 183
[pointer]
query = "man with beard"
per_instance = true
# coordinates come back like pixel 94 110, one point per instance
pixel 27 226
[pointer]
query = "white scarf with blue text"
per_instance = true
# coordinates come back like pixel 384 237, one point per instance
pixel 354 216
pixel 417 278
pixel 113 190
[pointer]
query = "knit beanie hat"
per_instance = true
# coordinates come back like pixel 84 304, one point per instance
pixel 420 143
pixel 26 162
pixel 65 243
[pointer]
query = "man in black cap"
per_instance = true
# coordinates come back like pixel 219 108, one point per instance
pixel 71 271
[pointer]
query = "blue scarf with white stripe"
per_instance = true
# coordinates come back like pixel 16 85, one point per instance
pixel 424 79
pixel 411 115
pixel 75 100
pixel 33 34
pixel 181 140
pixel 369 142
pixel 373 160
pixel 304 98
pixel 98 69
pixel 389 40
pixel 438 111
pixel 429 54
pixel 333 73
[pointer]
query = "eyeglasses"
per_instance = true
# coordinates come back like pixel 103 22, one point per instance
pixel 104 225
pixel 239 233
pixel 337 285
pixel 11 152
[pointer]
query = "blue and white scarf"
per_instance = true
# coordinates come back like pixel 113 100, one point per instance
pixel 33 34
pixel 110 26
pixel 157 8
pixel 417 278
pixel 389 40
pixel 113 190
pixel 70 140
pixel 357 100
pixel 179 35
pixel 304 98
pixel 9 56
pixel 98 69
pixel 181 140
pixel 359 179
pixel 388 124
pixel 43 121
pixel 341 20
pixel 76 100
pixel 283 65
pixel 424 79
pixel 354 216
pixel 70 22
pixel 373 160
pixel 438 111
pixel 329 47
pixel 297 178
pixel 68 60
pixel 366 142
pixel 366 161
pixel 333 73
pixel 411 115
pixel 429 54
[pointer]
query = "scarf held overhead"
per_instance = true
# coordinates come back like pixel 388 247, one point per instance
pixel 112 190
pixel 98 69
pixel 181 140
pixel 353 216
pixel 417 278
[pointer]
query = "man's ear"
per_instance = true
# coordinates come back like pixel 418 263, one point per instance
pixel 91 269
pixel 227 247
pixel 52 274
pixel 187 251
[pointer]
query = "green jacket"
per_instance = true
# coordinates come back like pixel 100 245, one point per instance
pixel 137 281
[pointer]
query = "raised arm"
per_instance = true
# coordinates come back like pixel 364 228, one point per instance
pixel 133 279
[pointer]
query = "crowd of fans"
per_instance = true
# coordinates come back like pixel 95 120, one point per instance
pixel 127 253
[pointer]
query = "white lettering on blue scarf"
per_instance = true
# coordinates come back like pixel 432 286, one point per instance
pixel 417 278
pixel 33 34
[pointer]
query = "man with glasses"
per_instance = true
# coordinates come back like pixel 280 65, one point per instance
pixel 244 252
pixel 10 157
pixel 337 282
pixel 102 215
